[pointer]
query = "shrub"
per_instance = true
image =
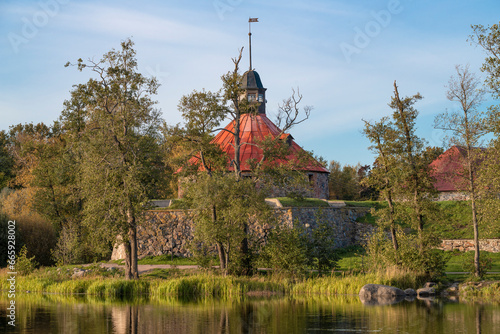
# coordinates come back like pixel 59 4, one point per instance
pixel 285 251
pixel 68 249
pixel 25 265
pixel 409 256
pixel 485 263
pixel 203 255
pixel 321 247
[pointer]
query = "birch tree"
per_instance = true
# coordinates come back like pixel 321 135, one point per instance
pixel 467 126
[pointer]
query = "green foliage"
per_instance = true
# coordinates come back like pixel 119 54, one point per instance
pixel 6 161
pixel 224 206
pixel 167 259
pixel 68 249
pixel 321 246
pixel 116 126
pixel 203 255
pixel 485 263
pixel 285 251
pixel 25 265
pixel 409 256
pixel 489 39
pixel 346 182
pixel 295 250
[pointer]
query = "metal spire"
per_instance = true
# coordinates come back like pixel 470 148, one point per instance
pixel 250 20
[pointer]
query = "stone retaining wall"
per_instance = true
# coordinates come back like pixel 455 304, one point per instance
pixel 171 231
pixel 465 245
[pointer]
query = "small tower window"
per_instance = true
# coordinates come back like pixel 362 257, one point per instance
pixel 261 98
pixel 252 97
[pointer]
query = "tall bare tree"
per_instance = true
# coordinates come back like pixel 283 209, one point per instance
pixel 467 126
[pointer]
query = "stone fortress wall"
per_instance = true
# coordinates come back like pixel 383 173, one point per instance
pixel 170 231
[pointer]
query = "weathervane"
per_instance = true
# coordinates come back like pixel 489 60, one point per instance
pixel 250 20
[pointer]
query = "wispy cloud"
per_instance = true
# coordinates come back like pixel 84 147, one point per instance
pixel 116 21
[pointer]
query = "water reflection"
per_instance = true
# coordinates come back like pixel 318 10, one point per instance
pixel 57 314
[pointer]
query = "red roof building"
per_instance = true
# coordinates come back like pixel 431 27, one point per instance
pixel 450 171
pixel 256 127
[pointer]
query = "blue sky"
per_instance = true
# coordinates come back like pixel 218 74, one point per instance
pixel 343 55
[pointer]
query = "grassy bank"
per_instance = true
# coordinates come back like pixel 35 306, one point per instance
pixel 193 285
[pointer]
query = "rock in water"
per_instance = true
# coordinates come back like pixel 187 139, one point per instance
pixel 426 292
pixel 377 294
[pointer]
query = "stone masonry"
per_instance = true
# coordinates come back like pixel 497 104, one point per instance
pixel 170 231
pixel 465 245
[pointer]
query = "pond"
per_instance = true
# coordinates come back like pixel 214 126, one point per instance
pixel 42 314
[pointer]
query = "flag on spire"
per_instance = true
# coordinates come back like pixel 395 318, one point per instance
pixel 253 19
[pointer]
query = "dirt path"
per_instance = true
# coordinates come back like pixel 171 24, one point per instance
pixel 148 267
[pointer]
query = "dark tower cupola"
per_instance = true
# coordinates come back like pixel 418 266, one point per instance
pixel 254 90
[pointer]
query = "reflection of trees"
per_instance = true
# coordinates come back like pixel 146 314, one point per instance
pixel 283 315
pixel 479 315
pixel 224 322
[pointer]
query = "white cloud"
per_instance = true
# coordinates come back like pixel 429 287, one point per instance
pixel 117 21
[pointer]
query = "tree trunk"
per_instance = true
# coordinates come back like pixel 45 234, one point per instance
pixel 391 220
pixel 245 261
pixel 220 246
pixel 222 257
pixel 132 236
pixel 420 218
pixel 128 274
pixel 472 192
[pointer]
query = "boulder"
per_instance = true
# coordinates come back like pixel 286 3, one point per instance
pixel 377 294
pixel 426 292
pixel 77 273
pixel 453 289
pixel 410 292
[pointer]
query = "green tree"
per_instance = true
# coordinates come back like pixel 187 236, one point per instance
pixel 118 128
pixel 225 210
pixel 467 127
pixel 382 135
pixel 488 38
pixel 401 173
pixel 344 181
pixel 414 182
pixel 6 161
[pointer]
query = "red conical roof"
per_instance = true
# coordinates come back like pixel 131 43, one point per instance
pixel 253 129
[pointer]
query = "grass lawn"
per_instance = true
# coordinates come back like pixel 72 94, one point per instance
pixel 306 202
pixel 451 221
pixel 455 262
pixel 167 259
